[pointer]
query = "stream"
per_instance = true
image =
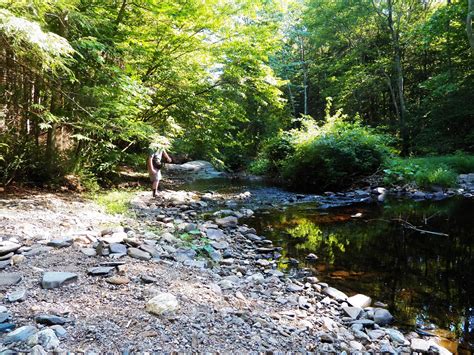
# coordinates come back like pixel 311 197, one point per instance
pixel 371 248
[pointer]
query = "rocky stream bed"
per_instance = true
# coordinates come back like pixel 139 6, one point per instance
pixel 172 276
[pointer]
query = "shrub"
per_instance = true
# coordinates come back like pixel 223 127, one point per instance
pixel 329 156
pixel 334 155
pixel 273 154
pixel 428 171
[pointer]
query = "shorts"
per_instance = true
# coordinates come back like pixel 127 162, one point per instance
pixel 156 176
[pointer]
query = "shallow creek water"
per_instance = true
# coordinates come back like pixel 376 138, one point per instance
pixel 427 280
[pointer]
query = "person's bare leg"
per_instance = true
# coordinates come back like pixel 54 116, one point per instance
pixel 154 187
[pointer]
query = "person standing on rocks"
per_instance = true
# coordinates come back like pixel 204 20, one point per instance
pixel 156 157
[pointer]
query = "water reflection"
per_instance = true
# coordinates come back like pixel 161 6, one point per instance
pixel 426 279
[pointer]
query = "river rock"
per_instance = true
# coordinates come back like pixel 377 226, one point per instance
pixel 118 280
pixel 375 334
pixel 9 278
pixel 17 295
pixel 335 293
pixel 56 279
pixel 183 254
pixel 60 243
pixel 4 264
pixel 4 316
pixel 162 302
pixel 17 259
pixel 61 333
pixel 253 237
pixel 100 270
pixel 38 350
pixel 138 254
pixel 19 335
pixel 48 339
pixel 359 300
pixel 6 327
pixel 419 345
pixel 7 247
pixel 216 255
pixel 50 319
pixel 353 312
pixel 115 238
pixel 88 251
pixel 118 248
pixel 6 256
pixel 229 221
pixel 382 317
pixel 396 336
pixel 214 234
pixel 367 323
pixel 220 245
pixel 356 345
pixel 150 249
pixel 262 262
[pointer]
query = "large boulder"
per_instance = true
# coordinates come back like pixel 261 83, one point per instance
pixel 198 169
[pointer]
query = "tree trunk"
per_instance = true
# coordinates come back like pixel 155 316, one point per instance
pixel 394 32
pixel 305 77
pixel 470 35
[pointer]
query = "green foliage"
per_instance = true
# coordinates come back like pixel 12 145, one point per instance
pixel 318 157
pixel 428 171
pixel 273 155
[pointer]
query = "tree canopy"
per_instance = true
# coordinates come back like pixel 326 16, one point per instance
pixel 83 83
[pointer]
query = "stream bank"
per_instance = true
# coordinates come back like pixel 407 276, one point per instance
pixel 209 280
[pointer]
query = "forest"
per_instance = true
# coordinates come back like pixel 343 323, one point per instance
pixel 328 90
pixel 318 176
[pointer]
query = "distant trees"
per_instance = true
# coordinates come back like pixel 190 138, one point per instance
pixel 84 82
pixel 403 66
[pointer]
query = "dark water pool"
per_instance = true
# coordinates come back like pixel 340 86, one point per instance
pixel 426 279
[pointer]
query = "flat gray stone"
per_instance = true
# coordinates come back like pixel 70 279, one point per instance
pixel 6 256
pixel 353 312
pixel 9 278
pixel 420 345
pixel 54 279
pixel 118 248
pixel 182 254
pixel 4 264
pixel 4 316
pixel 335 293
pixel 38 250
pixel 48 339
pixel 61 333
pixel 50 319
pixel 150 249
pixel 7 247
pixel 60 243
pixel 214 234
pixel 375 334
pixel 19 335
pixel 88 251
pixel 396 336
pixel 100 270
pixel 220 245
pixel 229 221
pixel 359 300
pixel 138 254
pixel 17 295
